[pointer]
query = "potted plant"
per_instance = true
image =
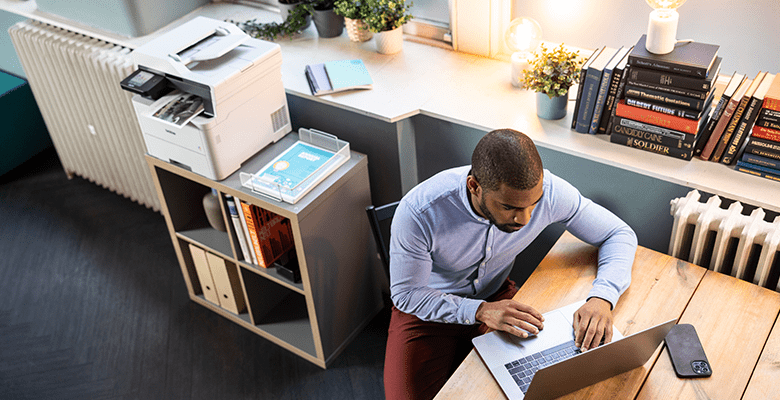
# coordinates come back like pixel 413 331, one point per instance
pixel 328 23
pixel 353 12
pixel 286 7
pixel 551 75
pixel 298 19
pixel 385 18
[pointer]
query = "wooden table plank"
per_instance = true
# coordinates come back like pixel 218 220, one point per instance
pixel 763 383
pixel 733 319
pixel 661 287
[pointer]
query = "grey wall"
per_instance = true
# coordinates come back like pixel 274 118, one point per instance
pixel 747 31
pixel 9 61
pixel 641 201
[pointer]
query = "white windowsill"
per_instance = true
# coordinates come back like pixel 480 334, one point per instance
pixel 464 89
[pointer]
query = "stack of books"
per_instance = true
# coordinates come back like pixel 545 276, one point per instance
pixel 741 102
pixel 664 101
pixel 263 236
pixel 761 153
pixel 598 88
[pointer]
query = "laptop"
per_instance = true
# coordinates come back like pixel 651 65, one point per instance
pixel 548 365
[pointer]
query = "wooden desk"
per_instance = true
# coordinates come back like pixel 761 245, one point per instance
pixel 722 308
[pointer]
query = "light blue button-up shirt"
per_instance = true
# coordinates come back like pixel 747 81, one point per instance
pixel 445 259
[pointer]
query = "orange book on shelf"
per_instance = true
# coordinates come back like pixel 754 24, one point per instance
pixel 657 118
pixel 765 133
pixel 251 225
pixel 772 97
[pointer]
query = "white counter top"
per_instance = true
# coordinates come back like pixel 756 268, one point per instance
pixel 459 88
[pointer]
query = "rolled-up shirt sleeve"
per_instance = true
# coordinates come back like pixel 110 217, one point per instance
pixel 599 227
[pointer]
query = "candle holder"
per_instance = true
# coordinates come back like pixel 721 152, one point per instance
pixel 662 27
pixel 522 37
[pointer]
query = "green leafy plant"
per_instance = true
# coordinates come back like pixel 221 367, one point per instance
pixel 352 9
pixel 553 72
pixel 294 23
pixel 386 15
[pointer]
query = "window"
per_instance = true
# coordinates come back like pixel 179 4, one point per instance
pixel 431 18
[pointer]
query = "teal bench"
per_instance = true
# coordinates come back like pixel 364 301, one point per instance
pixel 24 133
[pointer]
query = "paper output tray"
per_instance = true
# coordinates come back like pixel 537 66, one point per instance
pixel 268 185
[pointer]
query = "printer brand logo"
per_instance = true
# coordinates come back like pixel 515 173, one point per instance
pixel 171 132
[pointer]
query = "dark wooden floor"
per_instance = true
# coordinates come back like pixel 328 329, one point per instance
pixel 94 307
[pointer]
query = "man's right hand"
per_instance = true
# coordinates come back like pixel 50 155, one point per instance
pixel 510 316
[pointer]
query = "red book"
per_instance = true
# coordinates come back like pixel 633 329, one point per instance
pixel 772 97
pixel 766 133
pixel 657 118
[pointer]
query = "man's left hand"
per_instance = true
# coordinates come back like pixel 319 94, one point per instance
pixel 592 323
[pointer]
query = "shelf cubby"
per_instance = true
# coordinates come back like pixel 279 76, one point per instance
pixel 340 289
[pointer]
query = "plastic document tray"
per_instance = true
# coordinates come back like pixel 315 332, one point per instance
pixel 331 153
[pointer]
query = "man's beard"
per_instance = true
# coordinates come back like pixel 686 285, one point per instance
pixel 508 228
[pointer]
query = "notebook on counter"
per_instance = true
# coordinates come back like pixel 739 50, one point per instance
pixel 338 76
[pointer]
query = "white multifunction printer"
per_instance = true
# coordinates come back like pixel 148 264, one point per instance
pixel 231 84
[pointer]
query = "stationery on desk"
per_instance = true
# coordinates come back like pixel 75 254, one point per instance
pixel 337 76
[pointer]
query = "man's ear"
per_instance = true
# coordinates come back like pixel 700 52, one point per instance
pixel 473 185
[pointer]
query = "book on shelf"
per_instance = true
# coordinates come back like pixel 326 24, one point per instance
pixel 761 132
pixel 667 109
pixel 618 97
pixel 590 89
pixel 769 114
pixel 671 90
pixel 725 118
pixel 252 225
pixel 725 138
pixel 767 123
pixel 760 160
pixel 772 98
pixel 653 133
pixel 664 98
pixel 659 78
pixel 743 129
pixel 763 147
pixel 606 77
pixel 583 71
pixel 757 170
pixel 683 154
pixel 238 227
pixel 657 118
pixel 717 111
pixel 613 93
pixel 688 58
pixel 250 244
pixel 337 76
pixel 274 235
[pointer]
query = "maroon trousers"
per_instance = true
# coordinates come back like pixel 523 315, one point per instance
pixel 421 355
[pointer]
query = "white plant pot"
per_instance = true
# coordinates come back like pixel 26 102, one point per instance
pixel 389 42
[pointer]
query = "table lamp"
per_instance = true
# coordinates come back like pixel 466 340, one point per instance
pixel 662 28
pixel 522 37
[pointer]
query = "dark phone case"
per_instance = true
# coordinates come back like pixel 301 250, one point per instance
pixel 686 352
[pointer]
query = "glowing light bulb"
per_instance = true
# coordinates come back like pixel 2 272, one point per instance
pixel 522 37
pixel 662 27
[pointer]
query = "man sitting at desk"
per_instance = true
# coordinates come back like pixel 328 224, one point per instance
pixel 453 242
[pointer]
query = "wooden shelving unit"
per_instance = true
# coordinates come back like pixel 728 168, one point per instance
pixel 341 277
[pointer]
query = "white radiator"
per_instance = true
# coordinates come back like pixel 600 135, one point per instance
pixel 91 120
pixel 724 240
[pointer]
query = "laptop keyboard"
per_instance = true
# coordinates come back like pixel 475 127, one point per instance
pixel 523 370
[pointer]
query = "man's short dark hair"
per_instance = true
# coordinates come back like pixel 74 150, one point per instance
pixel 506 156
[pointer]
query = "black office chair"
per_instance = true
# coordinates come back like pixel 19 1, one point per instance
pixel 379 218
